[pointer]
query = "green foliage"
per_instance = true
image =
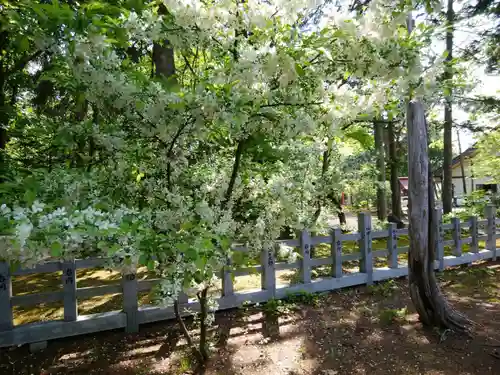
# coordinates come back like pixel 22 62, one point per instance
pixel 384 289
pixel 157 137
pixel 389 316
pixel 487 159
pixel 291 303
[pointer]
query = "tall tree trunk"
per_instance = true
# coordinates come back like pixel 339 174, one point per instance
pixel 394 168
pixel 448 117
pixel 425 293
pixel 379 146
pixel 163 55
pixel 462 167
pixel 4 123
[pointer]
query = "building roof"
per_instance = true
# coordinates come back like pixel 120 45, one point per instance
pixel 456 160
pixel 403 181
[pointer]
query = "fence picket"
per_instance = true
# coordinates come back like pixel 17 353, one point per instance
pixel 132 315
pixel 336 251
pixel 365 246
pixel 227 280
pixel 6 320
pixel 183 298
pixel 474 245
pixel 130 301
pixel 457 237
pixel 305 252
pixel 69 290
pixel 392 246
pixel 268 275
pixel 491 230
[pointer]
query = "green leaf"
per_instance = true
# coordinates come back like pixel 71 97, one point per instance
pixel 187 225
pixel 182 246
pixel 299 70
pixel 151 265
pixel 29 197
pixel 143 259
pixel 56 249
pixel 200 263
pixel 360 135
pixel 191 254
pixel 24 44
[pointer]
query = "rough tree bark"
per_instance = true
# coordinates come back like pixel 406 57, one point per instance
pixel 425 293
pixel 379 147
pixel 394 168
pixel 447 191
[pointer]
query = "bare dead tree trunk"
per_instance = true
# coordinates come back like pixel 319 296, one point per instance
pixel 379 147
pixel 425 293
pixel 447 193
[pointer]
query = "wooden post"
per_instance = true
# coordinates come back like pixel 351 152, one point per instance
pixel 491 230
pixel 336 251
pixel 268 275
pixel 305 252
pixel 130 302
pixel 474 245
pixel 69 290
pixel 6 320
pixel 227 280
pixel 182 298
pixel 440 238
pixel 392 246
pixel 365 246
pixel 457 237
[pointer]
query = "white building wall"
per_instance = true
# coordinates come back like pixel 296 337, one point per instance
pixel 471 182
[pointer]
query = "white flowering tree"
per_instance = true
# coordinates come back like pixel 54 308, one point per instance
pixel 190 125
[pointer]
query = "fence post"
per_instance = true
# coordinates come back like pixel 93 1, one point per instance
pixel 130 301
pixel 268 275
pixel 305 252
pixel 457 237
pixel 365 246
pixel 69 290
pixel 336 251
pixel 439 238
pixel 474 244
pixel 491 229
pixel 227 280
pixel 6 321
pixel 392 246
pixel 182 298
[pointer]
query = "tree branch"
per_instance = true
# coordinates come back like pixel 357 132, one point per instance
pixel 290 104
pixel 234 174
pixel 186 333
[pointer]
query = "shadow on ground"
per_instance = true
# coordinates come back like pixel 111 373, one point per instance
pixel 368 330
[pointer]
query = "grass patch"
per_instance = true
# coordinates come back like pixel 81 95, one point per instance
pixel 390 316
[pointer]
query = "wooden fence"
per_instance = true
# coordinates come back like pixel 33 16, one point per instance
pixel 131 316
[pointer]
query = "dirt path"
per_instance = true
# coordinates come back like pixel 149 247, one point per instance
pixel 358 331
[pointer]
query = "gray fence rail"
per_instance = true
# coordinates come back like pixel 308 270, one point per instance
pixel 131 316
